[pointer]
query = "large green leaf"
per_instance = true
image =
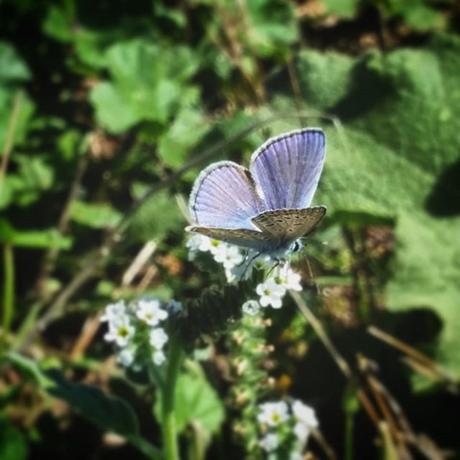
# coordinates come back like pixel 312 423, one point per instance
pixel 107 412
pixel 34 239
pixel 196 402
pixel 13 444
pixel 12 67
pixel 149 82
pixel 400 158
pixel 95 215
pixel 157 217
pixel 186 131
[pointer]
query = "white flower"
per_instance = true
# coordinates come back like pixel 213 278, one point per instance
pixel 302 432
pixel 296 456
pixel 158 338
pixel 126 356
pixel 228 255
pixel 304 414
pixel 269 442
pixel 289 279
pixel 114 311
pixel 273 413
pixel 194 242
pixel 158 357
pixel 198 243
pixel 251 307
pixel 120 331
pixel 270 293
pixel 150 311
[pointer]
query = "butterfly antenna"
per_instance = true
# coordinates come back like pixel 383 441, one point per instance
pixel 275 265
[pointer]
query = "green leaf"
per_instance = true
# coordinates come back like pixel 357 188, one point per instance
pixel 158 216
pixel 397 160
pixel 34 239
pixel 148 84
pixel 94 215
pixel 29 368
pixel 188 128
pixel 345 9
pixel 107 412
pixel 196 402
pixel 12 67
pixel 26 109
pixel 13 444
pixel 420 15
pixel 112 110
pixel 57 24
pixel 325 93
pixel 271 26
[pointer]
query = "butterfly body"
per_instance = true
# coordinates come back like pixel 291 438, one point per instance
pixel 266 207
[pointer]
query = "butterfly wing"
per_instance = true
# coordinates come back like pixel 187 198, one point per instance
pixel 251 239
pixel 289 224
pixel 287 168
pixel 224 196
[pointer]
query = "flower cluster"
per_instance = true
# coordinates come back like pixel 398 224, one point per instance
pixel 225 254
pixel 285 428
pixel 136 329
pixel 240 265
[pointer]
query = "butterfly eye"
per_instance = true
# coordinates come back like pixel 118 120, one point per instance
pixel 297 246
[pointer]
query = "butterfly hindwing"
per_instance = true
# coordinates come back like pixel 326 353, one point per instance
pixel 289 224
pixel 251 239
pixel 287 168
pixel 224 196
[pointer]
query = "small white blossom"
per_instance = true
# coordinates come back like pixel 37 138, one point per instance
pixel 273 413
pixel 302 432
pixel 269 442
pixel 296 456
pixel 120 331
pixel 126 356
pixel 198 243
pixel 114 311
pixel 251 307
pixel 304 414
pixel 289 279
pixel 158 357
pixel 158 338
pixel 270 293
pixel 229 256
pixel 150 311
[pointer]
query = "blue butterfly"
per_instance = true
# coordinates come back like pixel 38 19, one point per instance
pixel 266 207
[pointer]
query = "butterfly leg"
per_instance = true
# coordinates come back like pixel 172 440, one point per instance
pixel 248 261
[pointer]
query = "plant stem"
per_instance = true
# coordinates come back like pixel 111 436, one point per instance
pixel 349 422
pixel 8 288
pixel 170 445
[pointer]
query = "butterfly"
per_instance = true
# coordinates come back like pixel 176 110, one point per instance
pixel 266 207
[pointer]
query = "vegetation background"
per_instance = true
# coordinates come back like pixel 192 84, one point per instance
pixel 109 109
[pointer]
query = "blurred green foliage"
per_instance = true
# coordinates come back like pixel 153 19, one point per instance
pixel 101 101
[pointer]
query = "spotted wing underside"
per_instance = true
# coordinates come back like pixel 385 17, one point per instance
pixel 251 239
pixel 289 224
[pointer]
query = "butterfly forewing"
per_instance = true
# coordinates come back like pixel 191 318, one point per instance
pixel 287 168
pixel 224 195
pixel 251 239
pixel 289 224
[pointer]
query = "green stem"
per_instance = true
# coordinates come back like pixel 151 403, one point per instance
pixel 8 288
pixel 170 444
pixel 349 422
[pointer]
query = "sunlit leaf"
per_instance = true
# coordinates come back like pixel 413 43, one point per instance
pixel 95 215
pixel 196 402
